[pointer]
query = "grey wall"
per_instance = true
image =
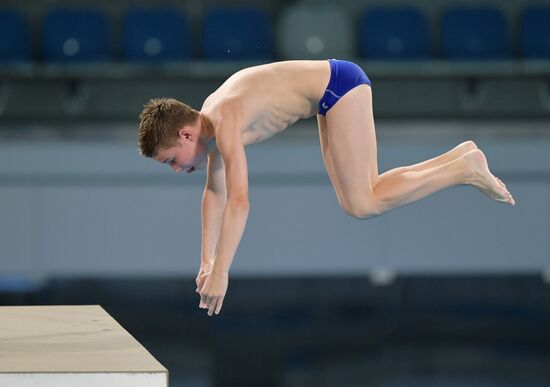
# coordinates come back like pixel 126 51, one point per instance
pixel 74 207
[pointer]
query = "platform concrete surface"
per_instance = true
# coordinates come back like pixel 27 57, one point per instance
pixel 81 346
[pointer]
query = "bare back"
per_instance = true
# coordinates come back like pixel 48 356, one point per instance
pixel 270 97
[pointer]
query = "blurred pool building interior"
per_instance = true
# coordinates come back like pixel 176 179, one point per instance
pixel 453 290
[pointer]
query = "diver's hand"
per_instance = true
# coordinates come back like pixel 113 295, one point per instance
pixel 213 291
pixel 206 267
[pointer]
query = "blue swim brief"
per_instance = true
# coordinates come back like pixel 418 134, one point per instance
pixel 344 76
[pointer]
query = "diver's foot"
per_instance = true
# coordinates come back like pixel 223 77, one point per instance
pixel 481 177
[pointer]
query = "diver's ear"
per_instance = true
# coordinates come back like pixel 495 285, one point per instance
pixel 185 134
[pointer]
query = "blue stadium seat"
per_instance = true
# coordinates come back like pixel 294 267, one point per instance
pixel 75 35
pixel 17 284
pixel 236 34
pixel 154 35
pixel 14 37
pixel 535 33
pixel 393 33
pixel 474 33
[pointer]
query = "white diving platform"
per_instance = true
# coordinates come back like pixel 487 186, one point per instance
pixel 66 346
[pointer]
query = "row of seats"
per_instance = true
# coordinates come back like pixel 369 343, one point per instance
pixel 163 34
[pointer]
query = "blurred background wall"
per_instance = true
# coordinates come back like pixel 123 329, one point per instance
pixel 452 290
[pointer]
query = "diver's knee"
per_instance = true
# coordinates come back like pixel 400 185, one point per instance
pixel 364 208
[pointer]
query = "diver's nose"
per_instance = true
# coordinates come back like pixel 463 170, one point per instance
pixel 176 168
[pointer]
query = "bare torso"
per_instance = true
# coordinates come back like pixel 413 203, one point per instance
pixel 270 97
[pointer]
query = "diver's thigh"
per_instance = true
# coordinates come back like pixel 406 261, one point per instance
pixel 352 141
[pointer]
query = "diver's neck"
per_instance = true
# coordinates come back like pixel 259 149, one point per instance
pixel 207 129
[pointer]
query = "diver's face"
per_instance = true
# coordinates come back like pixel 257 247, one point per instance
pixel 188 155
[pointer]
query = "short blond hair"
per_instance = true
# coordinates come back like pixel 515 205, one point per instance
pixel 160 121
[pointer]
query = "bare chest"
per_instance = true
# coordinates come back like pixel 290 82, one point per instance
pixel 267 124
pixel 271 98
